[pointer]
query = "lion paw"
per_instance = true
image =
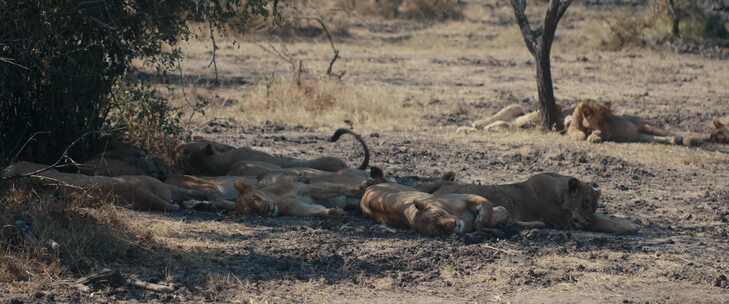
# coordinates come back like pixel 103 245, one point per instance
pixel 335 212
pixel 594 139
pixel 465 130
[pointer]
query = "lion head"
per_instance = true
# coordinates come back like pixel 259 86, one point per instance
pixel 721 134
pixel 433 220
pixel 252 201
pixel 581 202
pixel 193 157
pixel 595 114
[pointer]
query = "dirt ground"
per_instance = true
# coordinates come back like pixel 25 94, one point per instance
pixel 437 77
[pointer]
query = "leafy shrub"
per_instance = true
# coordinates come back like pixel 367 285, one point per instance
pixel 59 61
pixel 653 24
pixel 145 118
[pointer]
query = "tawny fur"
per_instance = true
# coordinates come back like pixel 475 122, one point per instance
pixel 595 122
pixel 404 207
pixel 142 192
pixel 559 201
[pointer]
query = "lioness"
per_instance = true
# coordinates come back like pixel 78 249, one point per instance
pixel 212 162
pixel 596 122
pixel 142 192
pixel 559 201
pixel 287 197
pixel 511 117
pixel 220 190
pixel 400 206
pixel 125 159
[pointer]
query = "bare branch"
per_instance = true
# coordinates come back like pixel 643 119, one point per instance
pixel 530 37
pixel 64 158
pixel 17 154
pixel 213 61
pixel 12 62
pixel 335 51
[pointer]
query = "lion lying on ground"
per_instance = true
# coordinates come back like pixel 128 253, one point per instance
pixel 125 159
pixel 511 117
pixel 221 191
pixel 400 206
pixel 596 123
pixel 206 159
pixel 287 197
pixel 558 201
pixel 142 192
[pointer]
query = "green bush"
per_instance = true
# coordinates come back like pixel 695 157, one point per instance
pixel 654 24
pixel 60 59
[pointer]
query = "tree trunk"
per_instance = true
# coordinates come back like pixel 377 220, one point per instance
pixel 547 105
pixel 539 44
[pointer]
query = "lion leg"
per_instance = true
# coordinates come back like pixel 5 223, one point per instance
pixel 609 224
pixel 576 134
pixel 179 194
pixel 666 140
pixel 143 199
pixel 652 130
pixel 527 120
pixel 465 130
pixel 325 191
pixel 498 125
pixel 309 209
pixel 577 129
pixel 596 137
pixel 508 113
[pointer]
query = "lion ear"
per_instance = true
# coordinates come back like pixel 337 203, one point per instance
pixel 573 185
pixel 209 149
pixel 420 205
pixel 718 124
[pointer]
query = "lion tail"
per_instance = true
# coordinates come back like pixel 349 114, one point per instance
pixel 339 132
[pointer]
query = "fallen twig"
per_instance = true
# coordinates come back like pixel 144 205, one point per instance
pixel 116 279
pixel 506 251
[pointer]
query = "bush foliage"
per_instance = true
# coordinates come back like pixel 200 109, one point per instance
pixel 59 61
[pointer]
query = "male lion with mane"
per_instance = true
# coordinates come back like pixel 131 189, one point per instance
pixel 596 123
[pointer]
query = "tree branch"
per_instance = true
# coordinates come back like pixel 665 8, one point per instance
pixel 530 37
pixel 17 154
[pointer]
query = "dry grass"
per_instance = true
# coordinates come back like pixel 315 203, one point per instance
pixel 86 237
pixel 321 103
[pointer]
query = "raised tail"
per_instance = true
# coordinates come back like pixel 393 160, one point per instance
pixel 342 131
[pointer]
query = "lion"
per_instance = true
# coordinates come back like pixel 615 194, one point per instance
pixel 142 192
pixel 210 161
pixel 721 133
pixel 558 201
pixel 125 159
pixel 595 122
pixel 288 197
pixel 511 117
pixel 400 206
pixel 220 190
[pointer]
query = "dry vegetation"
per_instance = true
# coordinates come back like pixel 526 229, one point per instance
pixel 413 82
